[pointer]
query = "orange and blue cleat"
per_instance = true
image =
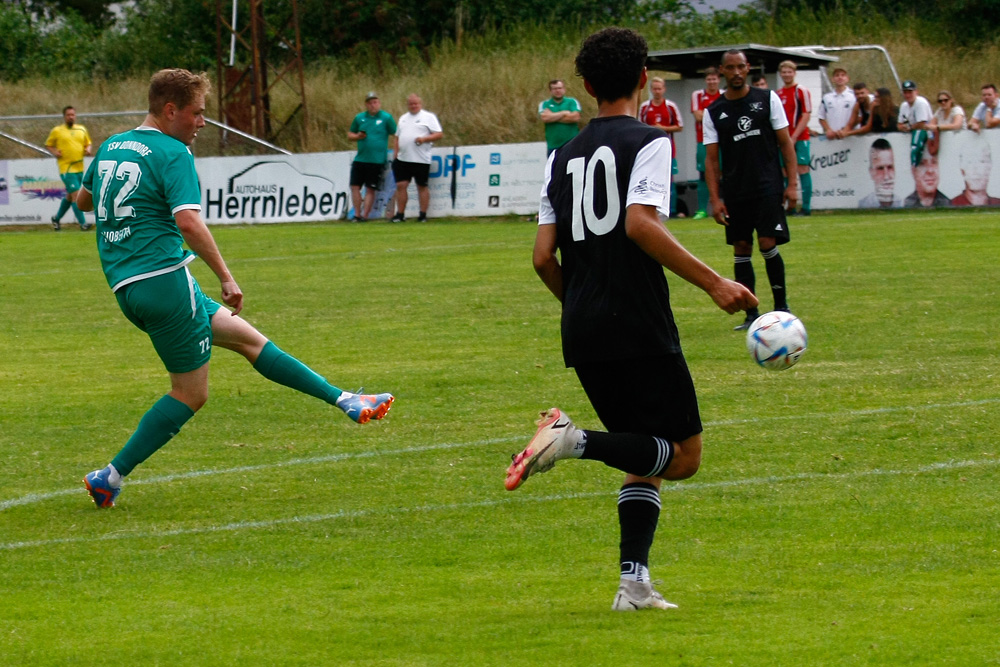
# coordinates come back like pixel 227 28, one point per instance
pixel 364 407
pixel 100 488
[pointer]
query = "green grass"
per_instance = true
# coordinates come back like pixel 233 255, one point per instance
pixel 845 512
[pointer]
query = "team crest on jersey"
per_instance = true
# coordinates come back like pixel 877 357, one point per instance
pixel 744 123
pixel 756 106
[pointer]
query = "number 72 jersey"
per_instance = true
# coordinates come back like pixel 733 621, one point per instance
pixel 139 180
pixel 616 304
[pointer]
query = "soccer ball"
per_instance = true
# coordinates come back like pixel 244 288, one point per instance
pixel 776 340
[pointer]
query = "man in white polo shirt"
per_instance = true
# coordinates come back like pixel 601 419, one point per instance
pixel 416 133
pixel 987 113
pixel 835 109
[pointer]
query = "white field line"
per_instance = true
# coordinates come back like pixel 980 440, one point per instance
pixel 504 500
pixel 296 258
pixel 32 498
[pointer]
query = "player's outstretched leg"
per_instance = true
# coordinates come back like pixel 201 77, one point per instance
pixel 236 334
pixel 556 438
pixel 281 367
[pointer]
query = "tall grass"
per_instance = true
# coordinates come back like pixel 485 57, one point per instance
pixel 487 89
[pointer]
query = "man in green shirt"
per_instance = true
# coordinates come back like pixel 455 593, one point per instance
pixel 561 116
pixel 145 190
pixel 373 128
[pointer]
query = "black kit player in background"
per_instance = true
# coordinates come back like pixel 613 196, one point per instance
pixel 600 205
pixel 748 127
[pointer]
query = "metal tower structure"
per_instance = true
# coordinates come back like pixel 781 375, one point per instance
pixel 246 79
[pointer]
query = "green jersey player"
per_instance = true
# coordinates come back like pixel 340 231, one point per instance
pixel 144 187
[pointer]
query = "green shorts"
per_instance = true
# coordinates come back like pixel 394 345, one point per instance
pixel 72 180
pixel 176 315
pixel 802 156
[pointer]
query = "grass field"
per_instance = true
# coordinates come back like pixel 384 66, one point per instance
pixel 845 512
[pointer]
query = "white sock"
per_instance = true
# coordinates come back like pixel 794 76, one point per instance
pixel 635 572
pixel 114 478
pixel 578 446
pixel 344 395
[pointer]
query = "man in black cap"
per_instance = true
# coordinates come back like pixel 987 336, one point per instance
pixel 917 118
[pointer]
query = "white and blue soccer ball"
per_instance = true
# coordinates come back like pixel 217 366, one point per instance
pixel 777 340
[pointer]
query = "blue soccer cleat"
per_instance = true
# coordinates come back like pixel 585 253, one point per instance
pixel 100 488
pixel 364 407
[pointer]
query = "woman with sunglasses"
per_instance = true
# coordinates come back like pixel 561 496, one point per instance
pixel 949 116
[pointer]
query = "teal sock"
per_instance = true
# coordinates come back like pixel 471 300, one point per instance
pixel 79 214
pixel 160 423
pixel 702 196
pixel 807 190
pixel 673 198
pixel 283 368
pixel 64 205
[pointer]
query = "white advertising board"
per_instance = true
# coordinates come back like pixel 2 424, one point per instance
pixel 847 172
pixel 504 179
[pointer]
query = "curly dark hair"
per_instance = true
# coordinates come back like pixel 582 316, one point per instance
pixel 612 61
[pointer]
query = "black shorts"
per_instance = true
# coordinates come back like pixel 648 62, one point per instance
pixel 651 396
pixel 411 171
pixel 766 216
pixel 368 174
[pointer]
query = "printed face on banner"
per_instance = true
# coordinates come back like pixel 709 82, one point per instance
pixel 927 176
pixel 882 169
pixel 977 162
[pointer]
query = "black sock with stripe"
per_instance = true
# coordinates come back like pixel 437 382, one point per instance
pixel 641 455
pixel 638 514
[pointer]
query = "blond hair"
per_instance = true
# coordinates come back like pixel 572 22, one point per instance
pixel 178 86
pixel 787 63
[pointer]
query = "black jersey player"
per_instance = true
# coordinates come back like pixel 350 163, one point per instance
pixel 600 211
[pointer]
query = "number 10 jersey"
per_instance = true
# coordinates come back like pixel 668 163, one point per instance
pixel 139 179
pixel 616 303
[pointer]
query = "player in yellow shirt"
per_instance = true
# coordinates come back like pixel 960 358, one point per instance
pixel 69 142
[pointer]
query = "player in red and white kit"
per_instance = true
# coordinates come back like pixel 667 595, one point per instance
pixel 700 100
pixel 664 114
pixel 797 103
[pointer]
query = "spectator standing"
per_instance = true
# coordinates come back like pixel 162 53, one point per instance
pixel 882 117
pixel 664 114
pixel 416 132
pixel 836 106
pixel 797 103
pixel 917 118
pixel 759 81
pixel 948 116
pixel 884 112
pixel 561 116
pixel 862 110
pixel 748 129
pixel 987 114
pixel 69 142
pixel 372 129
pixel 700 100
